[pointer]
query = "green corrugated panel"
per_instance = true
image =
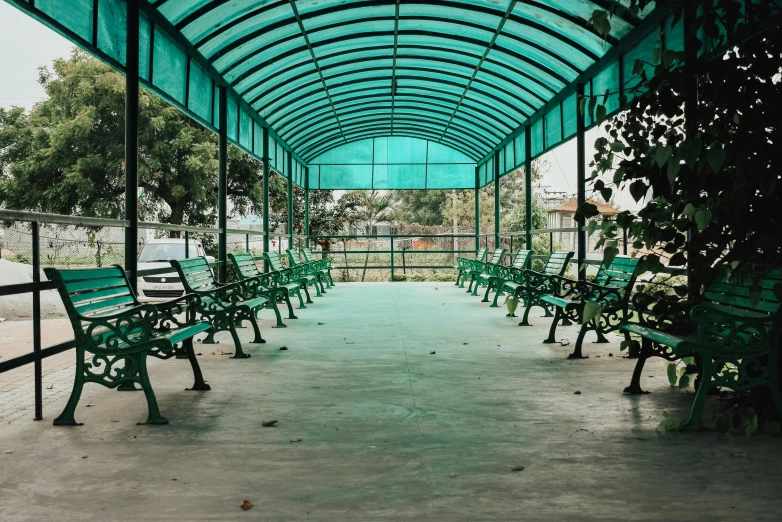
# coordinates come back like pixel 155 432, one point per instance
pixel 553 127
pixel 644 51
pixel 450 176
pixel 674 36
pixel 245 130
pixel 169 67
pixel 216 106
pixel 144 37
pixel 314 177
pixel 607 81
pixel 200 92
pixel 76 15
pixel 258 145
pixel 570 115
pixel 112 26
pixel 357 177
pixel 233 119
pixel 510 157
pixel 281 159
pixel 272 152
pixel 521 151
pixel 537 137
pixel 501 157
pixel 406 177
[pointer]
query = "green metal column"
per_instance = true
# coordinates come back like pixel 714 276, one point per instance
pixel 266 174
pixel 307 206
pixel 290 199
pixel 528 186
pixel 496 200
pixel 477 210
pixel 222 187
pixel 131 143
pixel 581 184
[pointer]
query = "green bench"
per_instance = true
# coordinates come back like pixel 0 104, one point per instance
pixel 733 332
pixel 224 305
pixel 115 334
pixel 299 274
pixel 530 286
pixel 325 263
pixel 499 275
pixel 480 270
pixel 315 268
pixel 610 291
pixel 464 265
pixel 271 285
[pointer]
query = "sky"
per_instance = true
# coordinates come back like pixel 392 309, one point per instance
pixel 26 45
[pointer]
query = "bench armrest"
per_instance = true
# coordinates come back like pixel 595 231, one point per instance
pixel 731 334
pixel 111 332
pixel 662 313
pixel 169 310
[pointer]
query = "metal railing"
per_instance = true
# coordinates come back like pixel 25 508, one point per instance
pixel 37 286
pixel 400 252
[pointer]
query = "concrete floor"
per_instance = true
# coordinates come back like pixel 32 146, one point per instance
pixel 389 431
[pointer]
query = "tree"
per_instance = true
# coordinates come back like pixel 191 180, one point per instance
pixel 66 155
pixel 708 171
pixel 424 207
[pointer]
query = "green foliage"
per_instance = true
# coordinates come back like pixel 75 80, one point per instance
pixel 424 207
pixel 66 155
pixel 708 177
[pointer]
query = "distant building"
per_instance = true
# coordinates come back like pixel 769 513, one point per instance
pixel 563 216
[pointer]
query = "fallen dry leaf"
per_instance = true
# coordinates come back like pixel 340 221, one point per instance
pixel 213 353
pixel 432 353
pixel 517 468
pixel 267 424
pixel 738 454
pixel 246 505
pixel 85 456
pixel 115 421
pixel 174 478
pixel 297 439
pixel 452 475
pixel 283 348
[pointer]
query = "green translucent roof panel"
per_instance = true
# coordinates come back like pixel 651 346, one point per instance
pixel 467 75
pixel 392 162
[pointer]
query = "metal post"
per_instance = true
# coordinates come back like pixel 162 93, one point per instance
pixel 581 184
pixel 307 207
pixel 392 259
pixel 131 141
pixel 528 186
pixel 187 244
pixel 496 200
pixel 37 323
pixel 247 242
pixel 477 210
pixel 290 200
pixel 266 174
pixel 222 190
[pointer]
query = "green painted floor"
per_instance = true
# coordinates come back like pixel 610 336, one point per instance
pixel 389 431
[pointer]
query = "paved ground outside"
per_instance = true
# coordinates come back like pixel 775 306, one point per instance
pixel 390 431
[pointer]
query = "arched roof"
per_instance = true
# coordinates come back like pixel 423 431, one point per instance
pixel 465 74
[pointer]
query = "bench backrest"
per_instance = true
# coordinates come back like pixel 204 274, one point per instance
pixel 621 273
pixel 742 291
pixel 307 253
pixel 521 259
pixel 93 291
pixel 196 274
pixel 497 256
pixel 557 262
pixel 481 254
pixel 294 256
pixel 275 261
pixel 245 266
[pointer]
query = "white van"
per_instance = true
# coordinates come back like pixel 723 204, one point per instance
pixel 156 254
